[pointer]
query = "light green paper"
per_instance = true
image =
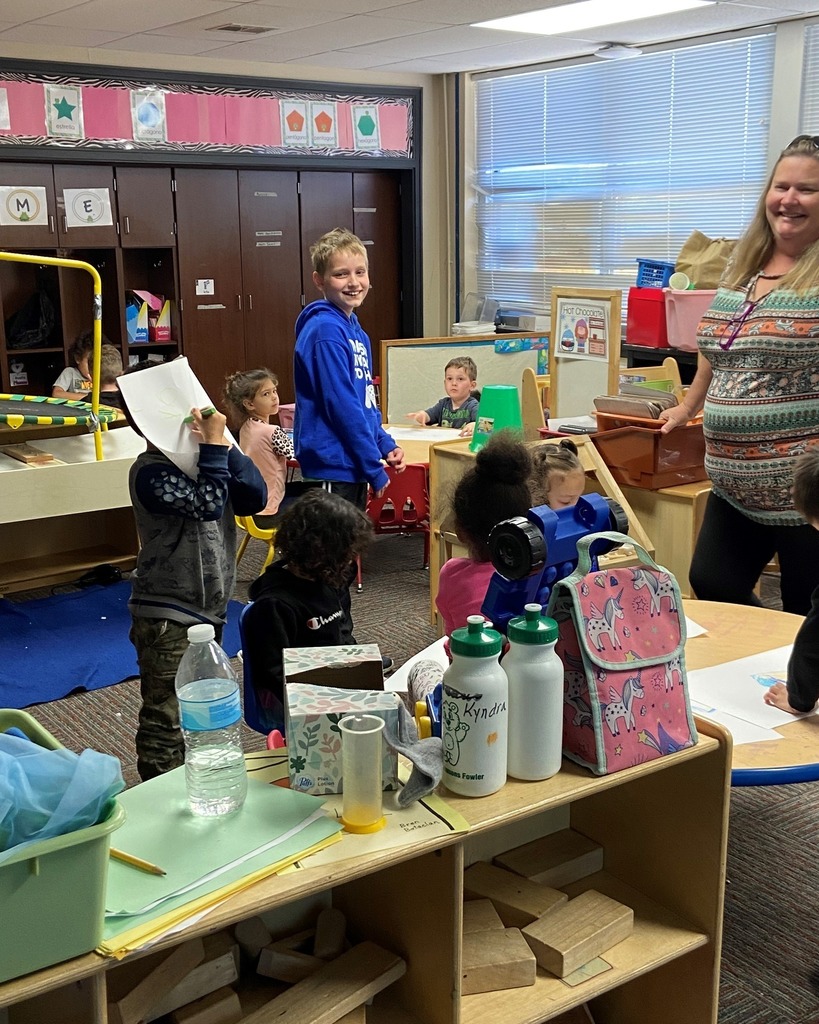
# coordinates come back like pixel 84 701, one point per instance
pixel 160 828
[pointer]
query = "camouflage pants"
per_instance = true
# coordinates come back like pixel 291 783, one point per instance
pixel 160 645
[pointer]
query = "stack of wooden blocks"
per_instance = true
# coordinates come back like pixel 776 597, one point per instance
pixel 516 918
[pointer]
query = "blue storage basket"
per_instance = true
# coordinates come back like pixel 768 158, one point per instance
pixel 653 273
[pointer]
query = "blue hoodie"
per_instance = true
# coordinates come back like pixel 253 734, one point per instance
pixel 337 431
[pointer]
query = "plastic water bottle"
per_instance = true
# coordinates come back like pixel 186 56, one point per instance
pixel 474 711
pixel 535 674
pixel 210 713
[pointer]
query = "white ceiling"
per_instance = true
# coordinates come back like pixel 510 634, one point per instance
pixel 419 36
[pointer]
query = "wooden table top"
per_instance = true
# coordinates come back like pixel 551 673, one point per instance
pixel 737 631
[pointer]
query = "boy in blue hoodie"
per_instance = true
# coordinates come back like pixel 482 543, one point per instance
pixel 337 432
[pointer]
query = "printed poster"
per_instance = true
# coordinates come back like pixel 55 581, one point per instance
pixel 20 204
pixel 323 124
pixel 148 119
pixel 366 126
pixel 64 112
pixel 87 207
pixel 294 123
pixel 582 328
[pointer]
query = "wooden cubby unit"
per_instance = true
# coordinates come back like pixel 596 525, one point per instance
pixel 663 826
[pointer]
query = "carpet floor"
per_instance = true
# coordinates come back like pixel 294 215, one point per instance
pixel 770 964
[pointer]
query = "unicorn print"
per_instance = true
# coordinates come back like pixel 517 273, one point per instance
pixel 658 587
pixel 622 706
pixel 605 623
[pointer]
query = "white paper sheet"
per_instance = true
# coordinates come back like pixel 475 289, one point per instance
pixel 740 730
pixel 159 398
pixel 737 687
pixel 693 629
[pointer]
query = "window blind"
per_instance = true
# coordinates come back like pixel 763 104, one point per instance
pixel 582 170
pixel 809 112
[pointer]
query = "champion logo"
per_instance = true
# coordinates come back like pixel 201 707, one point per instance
pixel 320 621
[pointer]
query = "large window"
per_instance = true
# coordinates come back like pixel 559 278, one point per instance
pixel 809 113
pixel 581 170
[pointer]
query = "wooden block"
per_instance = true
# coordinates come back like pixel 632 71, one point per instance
pixel 579 931
pixel 556 860
pixel 252 936
pixel 335 989
pixel 138 1003
pixel 27 453
pixel 480 916
pixel 331 930
pixel 496 959
pixel 219 1007
pixel 287 964
pixel 517 900
pixel 219 969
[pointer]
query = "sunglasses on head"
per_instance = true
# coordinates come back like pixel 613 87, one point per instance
pixel 813 139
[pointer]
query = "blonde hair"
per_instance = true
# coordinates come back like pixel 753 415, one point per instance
pixel 337 240
pixel 243 386
pixel 548 461
pixel 756 245
pixel 110 364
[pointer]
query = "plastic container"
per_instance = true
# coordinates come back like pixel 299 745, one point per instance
pixel 52 893
pixel 646 318
pixel 499 409
pixel 287 413
pixel 683 312
pixel 210 713
pixel 535 675
pixel 362 754
pixel 653 273
pixel 640 456
pixel 474 711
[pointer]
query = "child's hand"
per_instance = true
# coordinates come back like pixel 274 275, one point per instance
pixel 777 697
pixel 395 460
pixel 419 417
pixel 468 430
pixel 210 428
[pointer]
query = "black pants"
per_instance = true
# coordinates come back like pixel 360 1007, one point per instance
pixel 357 495
pixel 732 550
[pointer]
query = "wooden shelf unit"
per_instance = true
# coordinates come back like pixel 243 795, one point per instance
pixel 663 826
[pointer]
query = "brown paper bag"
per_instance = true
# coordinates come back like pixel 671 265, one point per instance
pixel 704 259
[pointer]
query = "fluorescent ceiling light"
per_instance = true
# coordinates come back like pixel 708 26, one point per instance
pixel 588 14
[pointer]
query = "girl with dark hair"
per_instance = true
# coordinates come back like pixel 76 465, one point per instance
pixel 296 599
pixel 558 478
pixel 496 488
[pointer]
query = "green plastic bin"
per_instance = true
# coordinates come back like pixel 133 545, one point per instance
pixel 52 893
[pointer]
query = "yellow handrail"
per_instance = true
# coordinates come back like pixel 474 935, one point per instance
pixel 61 261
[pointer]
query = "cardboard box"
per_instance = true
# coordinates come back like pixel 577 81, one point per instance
pixel 322 684
pixel 147 317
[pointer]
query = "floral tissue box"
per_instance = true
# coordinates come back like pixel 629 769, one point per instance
pixel 314 738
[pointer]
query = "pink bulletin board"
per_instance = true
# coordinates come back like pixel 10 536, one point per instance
pixel 207 117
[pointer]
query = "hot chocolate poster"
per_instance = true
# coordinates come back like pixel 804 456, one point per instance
pixel 583 327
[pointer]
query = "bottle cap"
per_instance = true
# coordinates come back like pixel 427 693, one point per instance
pixel 532 627
pixel 476 639
pixel 201 633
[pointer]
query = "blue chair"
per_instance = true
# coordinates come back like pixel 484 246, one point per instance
pixel 251 707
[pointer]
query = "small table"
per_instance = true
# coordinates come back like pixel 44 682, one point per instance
pixel 736 631
pixel 417 441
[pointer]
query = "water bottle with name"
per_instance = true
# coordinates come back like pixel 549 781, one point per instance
pixel 474 711
pixel 535 676
pixel 210 714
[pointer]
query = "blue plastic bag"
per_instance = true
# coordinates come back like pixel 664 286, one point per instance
pixel 46 793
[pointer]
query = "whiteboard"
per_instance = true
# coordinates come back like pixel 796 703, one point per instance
pixel 413 372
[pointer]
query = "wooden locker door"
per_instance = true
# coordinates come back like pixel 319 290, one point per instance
pixel 377 222
pixel 326 203
pixel 145 203
pixel 209 249
pixel 30 184
pixel 82 177
pixel 271 270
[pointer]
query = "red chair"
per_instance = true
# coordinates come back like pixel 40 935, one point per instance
pixel 404 506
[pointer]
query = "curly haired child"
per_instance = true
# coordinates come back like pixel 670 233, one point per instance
pixel 296 599
pixel 496 488
pixel 558 479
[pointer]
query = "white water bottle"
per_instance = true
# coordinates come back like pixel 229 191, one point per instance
pixel 535 676
pixel 210 714
pixel 474 711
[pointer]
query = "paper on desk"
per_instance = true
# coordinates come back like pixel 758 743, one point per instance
pixel 422 433
pixel 693 629
pixel 201 854
pixel 740 730
pixel 737 687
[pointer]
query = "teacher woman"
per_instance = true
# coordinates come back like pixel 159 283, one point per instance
pixel 757 382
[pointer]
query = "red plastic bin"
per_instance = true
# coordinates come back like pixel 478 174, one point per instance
pixel 645 318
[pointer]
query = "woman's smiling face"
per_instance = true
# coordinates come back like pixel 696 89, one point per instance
pixel 792 204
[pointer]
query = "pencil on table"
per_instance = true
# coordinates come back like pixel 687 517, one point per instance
pixel 136 862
